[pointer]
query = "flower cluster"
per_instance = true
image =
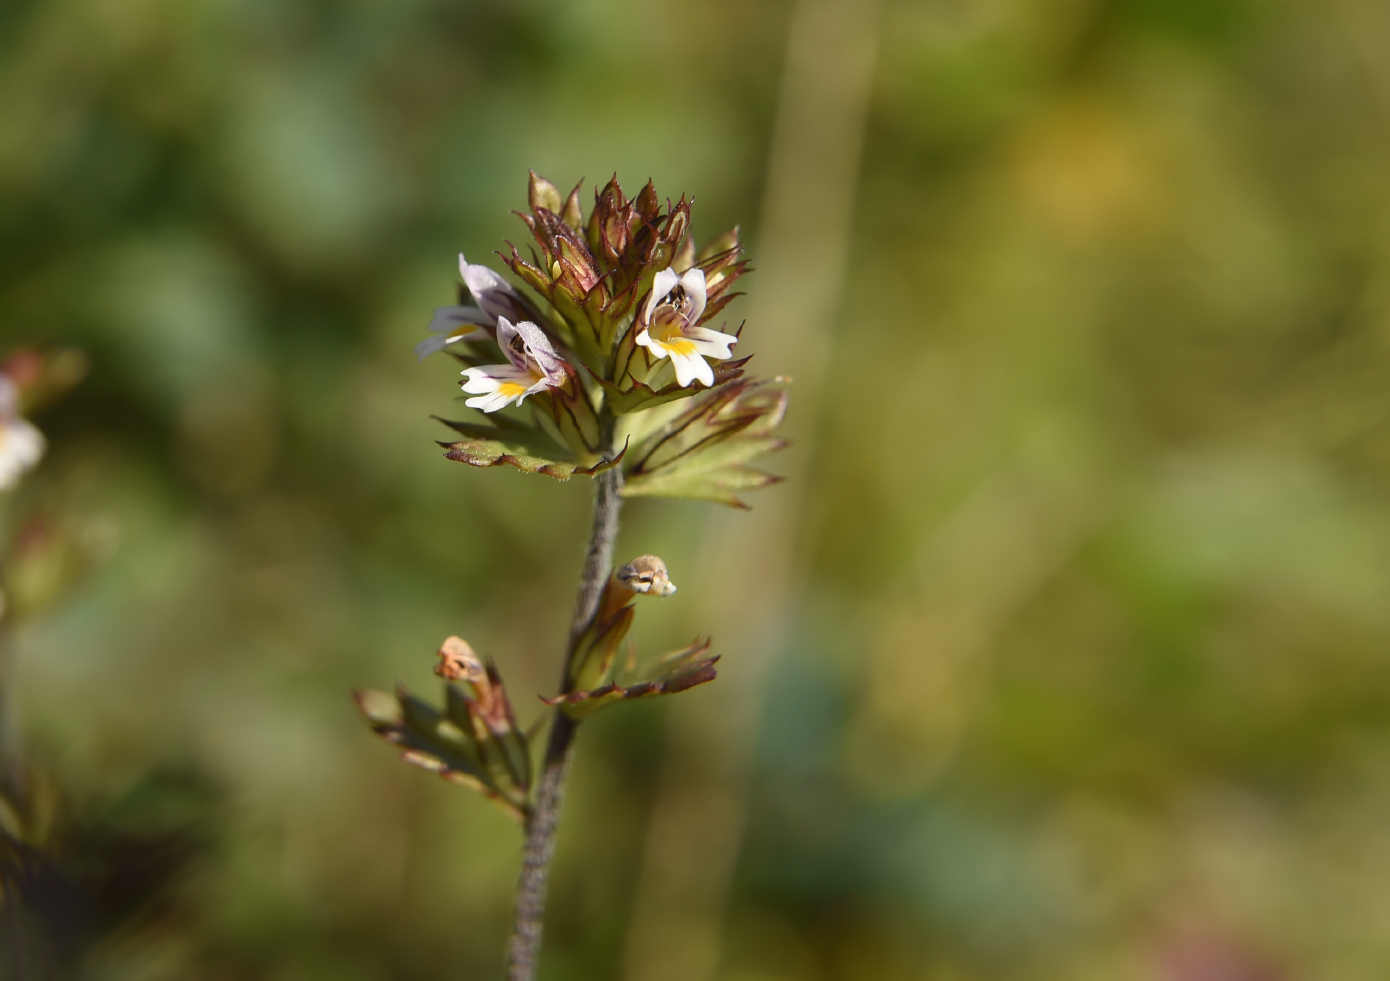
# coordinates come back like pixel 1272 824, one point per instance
pixel 619 325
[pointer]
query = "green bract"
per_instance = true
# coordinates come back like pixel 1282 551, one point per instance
pixel 473 741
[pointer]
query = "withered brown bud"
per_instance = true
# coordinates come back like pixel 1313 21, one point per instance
pixel 646 574
pixel 457 662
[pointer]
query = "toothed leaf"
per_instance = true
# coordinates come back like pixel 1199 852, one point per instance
pixel 668 675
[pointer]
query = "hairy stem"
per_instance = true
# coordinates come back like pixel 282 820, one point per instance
pixel 544 819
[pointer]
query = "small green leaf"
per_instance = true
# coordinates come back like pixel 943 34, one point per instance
pixel 704 452
pixel 722 485
pixel 512 434
pixel 594 655
pixel 573 214
pixel 640 396
pixel 489 452
pixel 442 743
pixel 668 675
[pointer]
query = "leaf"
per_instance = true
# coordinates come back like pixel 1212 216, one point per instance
pixel 474 741
pixel 704 452
pixel 641 396
pixel 721 485
pixel 516 436
pixel 508 441
pixel 668 675
pixel 597 647
pixel 433 741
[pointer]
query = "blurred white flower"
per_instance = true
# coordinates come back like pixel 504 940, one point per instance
pixel 21 445
pixel 534 368
pixel 668 327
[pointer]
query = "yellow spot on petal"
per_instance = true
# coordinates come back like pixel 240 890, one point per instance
pixel 681 347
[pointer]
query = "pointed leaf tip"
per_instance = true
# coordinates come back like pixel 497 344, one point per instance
pixel 380 708
pixel 543 194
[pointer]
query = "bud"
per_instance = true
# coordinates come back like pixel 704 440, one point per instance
pixel 573 215
pixel 685 255
pixel 543 194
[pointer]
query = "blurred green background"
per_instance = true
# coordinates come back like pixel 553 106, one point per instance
pixel 1082 665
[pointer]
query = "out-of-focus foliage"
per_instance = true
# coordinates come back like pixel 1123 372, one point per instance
pixel 1091 677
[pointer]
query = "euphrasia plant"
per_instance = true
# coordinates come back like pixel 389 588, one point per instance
pixel 607 369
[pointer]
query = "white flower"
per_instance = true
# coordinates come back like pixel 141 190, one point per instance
pixel 452 324
pixel 21 445
pixel 534 367
pixel 668 328
pixel 493 297
pixel 493 294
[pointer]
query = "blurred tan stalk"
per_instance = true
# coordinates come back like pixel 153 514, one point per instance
pixel 697 821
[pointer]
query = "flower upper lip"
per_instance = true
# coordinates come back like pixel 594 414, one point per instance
pixel 525 344
pixel 693 290
pixel 496 297
pixel 493 299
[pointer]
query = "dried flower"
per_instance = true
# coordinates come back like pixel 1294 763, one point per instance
pixel 646 574
pixel 669 327
pixel 534 368
pixel 457 662
pixel 21 444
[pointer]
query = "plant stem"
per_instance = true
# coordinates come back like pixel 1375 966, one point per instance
pixel 544 820
pixel 11 769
